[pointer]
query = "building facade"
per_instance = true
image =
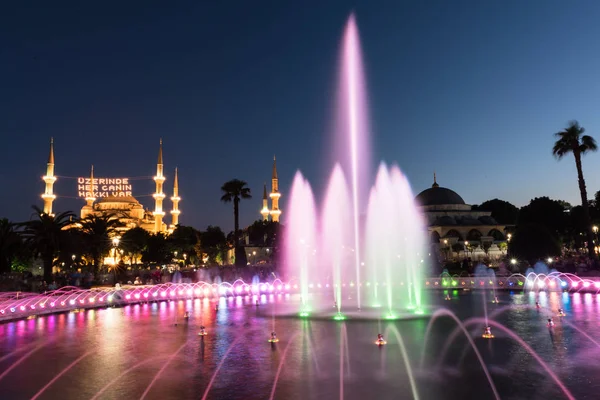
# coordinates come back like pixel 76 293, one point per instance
pixel 457 230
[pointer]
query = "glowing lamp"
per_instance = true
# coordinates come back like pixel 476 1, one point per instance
pixel 541 284
pixel 206 292
pixel 2 312
pixel 597 285
pixel 82 301
pixel 426 283
pixel 146 295
pixel 154 294
pixel 586 284
pixel 12 309
pixel 295 286
pixel 238 289
pixel 552 283
pixel 72 302
pixel 197 292
pixel 279 287
pixel 575 284
pixel 310 285
pixel 270 288
pixel 43 305
pixel 563 284
pixel 163 294
pixel 128 296
pixel 137 295
pixel 453 283
pixel 52 304
pixel 32 307
pixel 92 300
pixel 181 292
pixel 172 294
pixel 62 303
pixel 22 308
pixel 481 283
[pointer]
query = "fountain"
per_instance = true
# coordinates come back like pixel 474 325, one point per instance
pixel 392 237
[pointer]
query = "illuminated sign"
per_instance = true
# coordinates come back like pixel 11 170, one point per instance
pixel 103 187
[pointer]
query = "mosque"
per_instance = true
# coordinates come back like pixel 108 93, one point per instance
pixel 112 196
pixel 453 224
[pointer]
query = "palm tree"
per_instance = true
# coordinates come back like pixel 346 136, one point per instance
pixel 572 140
pixel 45 233
pixel 98 230
pixel 233 191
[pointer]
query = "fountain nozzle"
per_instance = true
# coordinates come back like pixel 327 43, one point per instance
pixel 273 338
pixel 487 333
pixel 380 340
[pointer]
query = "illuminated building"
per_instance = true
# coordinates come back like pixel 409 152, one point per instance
pixel 453 224
pixel 175 200
pixel 113 196
pixel 275 195
pixel 49 179
pixel 265 204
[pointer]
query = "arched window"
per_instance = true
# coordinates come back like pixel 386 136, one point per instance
pixel 435 237
pixel 496 234
pixel 474 235
pixel 453 233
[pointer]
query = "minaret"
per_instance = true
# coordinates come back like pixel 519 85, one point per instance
pixel 159 195
pixel 49 179
pixel 265 207
pixel 89 196
pixel 275 195
pixel 175 199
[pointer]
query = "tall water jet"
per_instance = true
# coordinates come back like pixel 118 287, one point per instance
pixel 300 237
pixel 353 126
pixel 393 238
pixel 336 226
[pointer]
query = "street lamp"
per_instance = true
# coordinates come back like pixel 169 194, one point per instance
pixel 254 258
pixel 184 259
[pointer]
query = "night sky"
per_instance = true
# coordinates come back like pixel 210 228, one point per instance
pixel 470 89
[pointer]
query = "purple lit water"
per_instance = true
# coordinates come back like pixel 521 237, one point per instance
pixel 135 350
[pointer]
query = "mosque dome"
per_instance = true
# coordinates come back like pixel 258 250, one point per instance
pixel 438 196
pixel 124 199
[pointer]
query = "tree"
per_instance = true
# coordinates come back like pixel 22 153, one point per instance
pixel 233 191
pixel 134 242
pixel 183 241
pixel 546 212
pixel 98 231
pixel 502 211
pixel 533 242
pixel 213 244
pixel 572 140
pixel 157 249
pixel 10 245
pixel 45 234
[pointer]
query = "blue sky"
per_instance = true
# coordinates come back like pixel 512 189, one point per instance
pixel 470 89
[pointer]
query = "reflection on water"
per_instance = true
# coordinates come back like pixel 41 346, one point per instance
pixel 146 336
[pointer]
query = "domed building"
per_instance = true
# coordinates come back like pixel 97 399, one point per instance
pixel 127 209
pixel 453 224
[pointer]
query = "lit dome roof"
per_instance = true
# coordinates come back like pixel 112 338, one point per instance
pixel 438 196
pixel 124 199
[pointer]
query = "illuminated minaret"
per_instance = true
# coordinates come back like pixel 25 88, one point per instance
pixel 159 195
pixel 49 179
pixel 275 195
pixel 265 208
pixel 89 196
pixel 175 199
